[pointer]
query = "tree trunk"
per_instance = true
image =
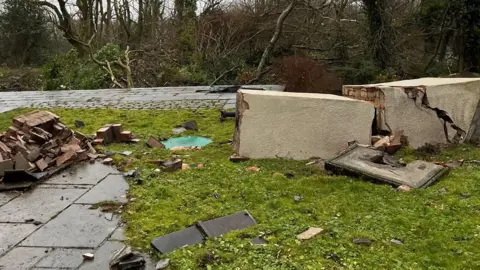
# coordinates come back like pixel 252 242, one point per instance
pixel 273 41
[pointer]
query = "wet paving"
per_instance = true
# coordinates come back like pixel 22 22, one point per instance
pixel 54 224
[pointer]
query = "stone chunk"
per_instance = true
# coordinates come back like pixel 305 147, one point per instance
pixel 299 125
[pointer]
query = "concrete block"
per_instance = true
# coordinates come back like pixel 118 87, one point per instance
pixel 299 125
pixel 400 107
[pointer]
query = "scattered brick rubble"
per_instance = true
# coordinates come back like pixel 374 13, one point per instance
pixel 114 133
pixel 38 142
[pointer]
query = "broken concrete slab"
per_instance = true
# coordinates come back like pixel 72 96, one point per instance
pixel 218 226
pixel 91 229
pixel 82 174
pixel 417 107
pixel 299 125
pixel 362 161
pixel 12 234
pixel 40 204
pixel 311 232
pixel 172 241
pixel 22 257
pixel 112 188
pixel 63 258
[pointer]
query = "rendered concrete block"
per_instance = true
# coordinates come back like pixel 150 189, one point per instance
pixel 299 125
pixel 400 107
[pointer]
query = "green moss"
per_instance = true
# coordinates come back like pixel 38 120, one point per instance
pixel 438 229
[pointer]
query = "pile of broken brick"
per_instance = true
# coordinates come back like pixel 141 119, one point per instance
pixel 38 145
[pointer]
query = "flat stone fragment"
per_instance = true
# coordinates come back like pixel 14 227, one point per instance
pixel 7 196
pixel 218 226
pixel 63 258
pixel 102 256
pixel 77 226
pixel 11 234
pixel 311 232
pixel 39 204
pixel 299 125
pixel 112 188
pixel 82 174
pixel 172 241
pixel 359 161
pixel 22 258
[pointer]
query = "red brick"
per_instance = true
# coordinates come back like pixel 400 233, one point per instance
pixel 67 156
pixel 154 143
pixel 126 136
pixel 41 164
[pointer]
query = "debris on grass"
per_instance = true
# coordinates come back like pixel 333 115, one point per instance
pixel 297 198
pixel 362 241
pixel 236 158
pixel 224 115
pixel 311 232
pixel 162 264
pixel 202 229
pixel 404 188
pixel 154 143
pixel 253 169
pixel 259 241
pixel 126 153
pixel 396 241
pixel 190 125
pixel 79 124
pixel 110 133
pixel 178 130
pixel 132 173
pixel 379 166
pixel 172 165
pixel 192 166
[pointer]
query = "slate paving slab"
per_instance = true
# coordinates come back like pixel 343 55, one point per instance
pixel 22 258
pixel 82 174
pixel 11 234
pixel 7 196
pixel 175 240
pixel 77 226
pixel 112 188
pixel 63 258
pixel 118 235
pixel 38 204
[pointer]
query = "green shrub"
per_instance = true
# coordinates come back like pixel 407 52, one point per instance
pixel 70 72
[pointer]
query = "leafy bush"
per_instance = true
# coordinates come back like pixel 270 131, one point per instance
pixel 71 72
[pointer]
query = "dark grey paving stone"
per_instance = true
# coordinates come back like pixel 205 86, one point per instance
pixel 12 234
pixel 112 188
pixel 85 173
pixel 39 204
pixel 22 258
pixel 7 196
pixel 118 235
pixel 63 258
pixel 218 226
pixel 172 241
pixel 102 256
pixel 77 226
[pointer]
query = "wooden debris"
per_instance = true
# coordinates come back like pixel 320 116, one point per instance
pixel 154 143
pixel 311 232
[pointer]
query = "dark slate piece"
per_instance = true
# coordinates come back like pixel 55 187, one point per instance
pixel 172 241
pixel 222 225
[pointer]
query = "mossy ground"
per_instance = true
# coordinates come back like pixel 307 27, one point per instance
pixel 439 226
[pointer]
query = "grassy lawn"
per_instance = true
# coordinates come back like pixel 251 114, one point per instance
pixel 439 226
